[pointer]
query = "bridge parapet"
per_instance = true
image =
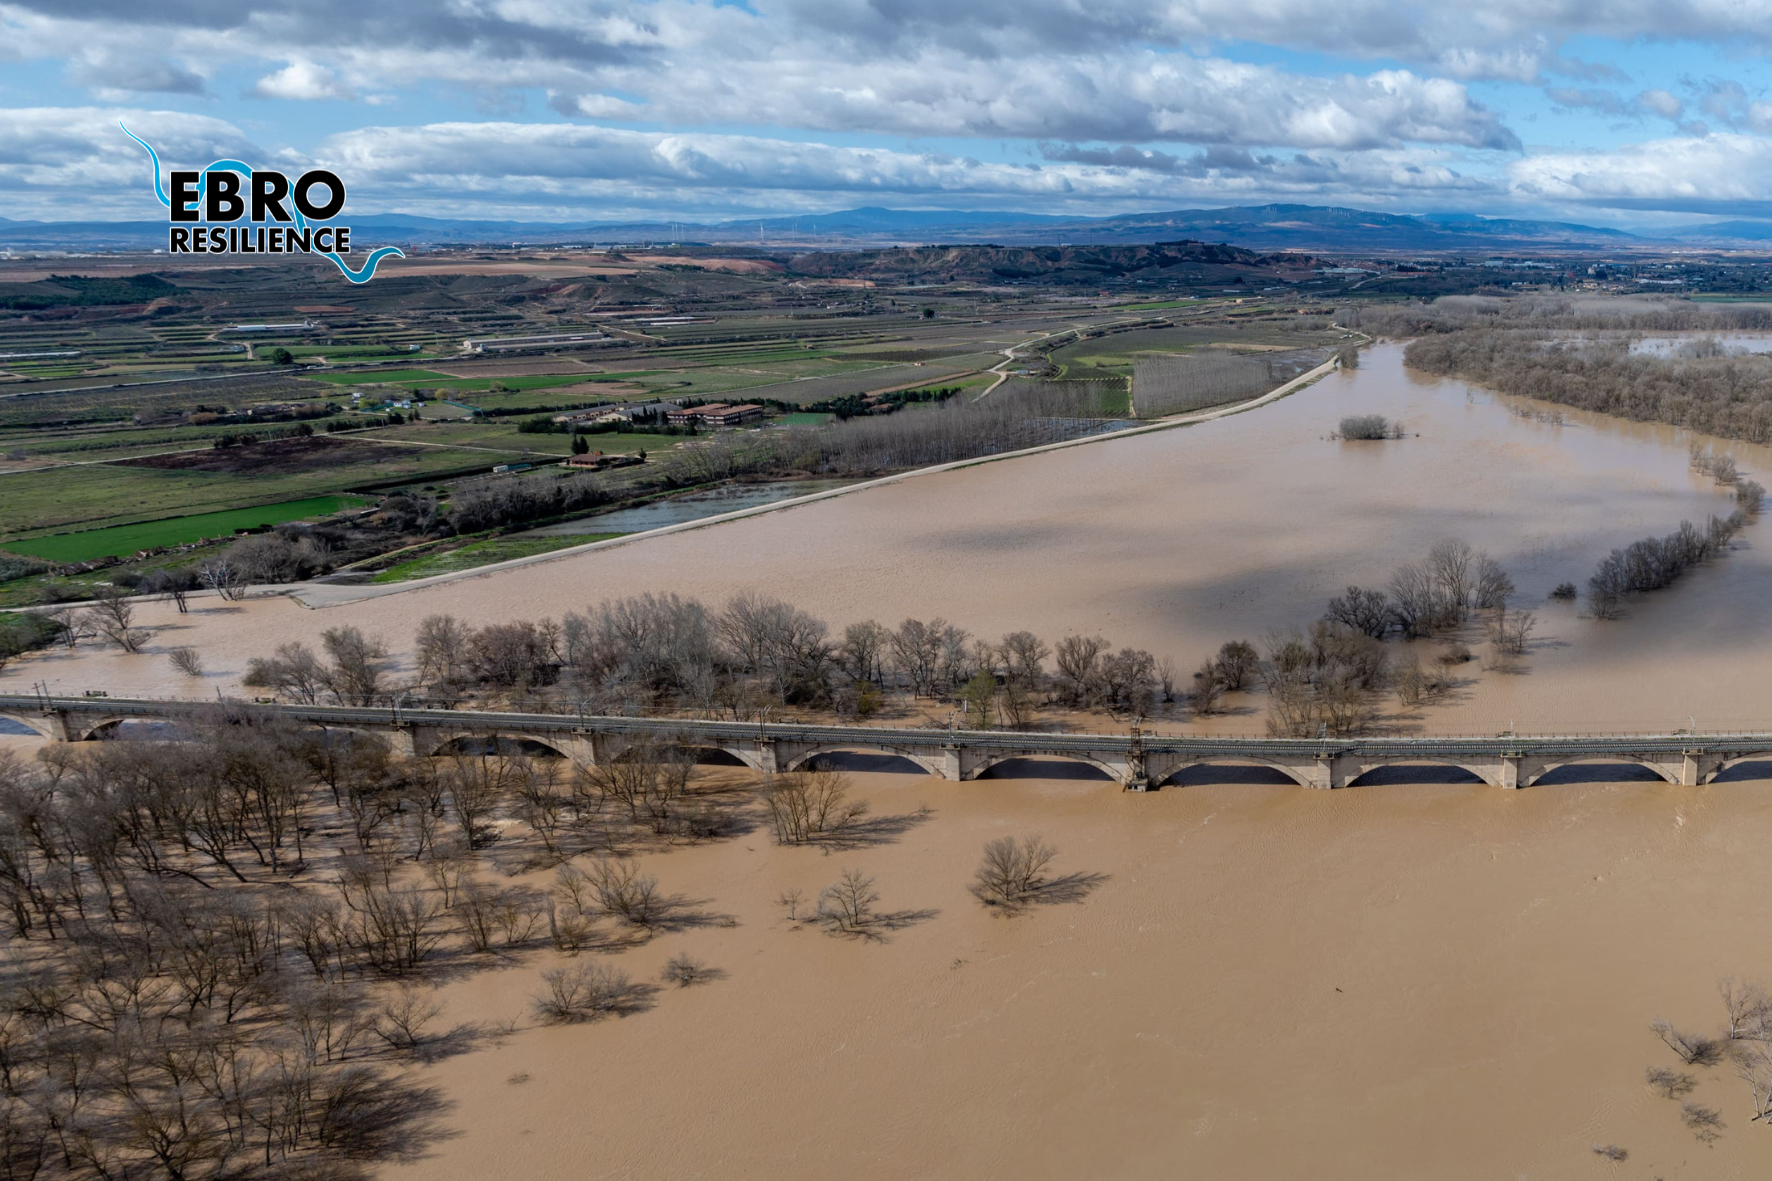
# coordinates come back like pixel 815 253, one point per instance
pixel 1506 760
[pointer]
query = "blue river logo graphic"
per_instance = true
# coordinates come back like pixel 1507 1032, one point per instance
pixel 266 190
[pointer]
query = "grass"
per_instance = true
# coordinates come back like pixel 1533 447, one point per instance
pixel 378 376
pixel 121 540
pixel 95 496
pixel 504 434
pixel 804 418
pixel 484 553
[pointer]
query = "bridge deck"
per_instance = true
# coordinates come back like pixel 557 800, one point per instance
pixel 1378 748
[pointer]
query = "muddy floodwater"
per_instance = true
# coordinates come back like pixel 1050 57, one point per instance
pixel 1176 542
pixel 1261 982
pixel 1406 980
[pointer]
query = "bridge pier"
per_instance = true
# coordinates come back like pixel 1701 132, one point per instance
pixel 417 742
pixel 1698 767
pixel 1332 771
pixel 1507 772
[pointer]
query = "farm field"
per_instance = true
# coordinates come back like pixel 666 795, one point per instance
pixel 33 503
pixel 126 539
pixel 110 424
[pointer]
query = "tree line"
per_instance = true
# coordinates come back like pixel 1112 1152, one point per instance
pixel 660 652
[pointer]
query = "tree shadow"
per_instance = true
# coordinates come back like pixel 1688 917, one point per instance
pixel 375 1117
pixel 681 913
pixel 463 1039
pixel 1072 887
pixel 877 927
pixel 870 831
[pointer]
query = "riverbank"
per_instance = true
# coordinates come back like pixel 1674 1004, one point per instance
pixel 1172 541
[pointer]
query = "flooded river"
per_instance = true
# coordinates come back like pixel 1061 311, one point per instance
pixel 1440 981
pixel 1175 542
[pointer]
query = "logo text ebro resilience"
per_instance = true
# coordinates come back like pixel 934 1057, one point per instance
pixel 263 199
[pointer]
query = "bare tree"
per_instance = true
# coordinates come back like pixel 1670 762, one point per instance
pixel 808 806
pixel 1490 585
pixel 585 991
pixel 293 671
pixel 626 893
pixel 223 577
pixel 1012 872
pixel 1748 1007
pixel 1236 664
pixel 1208 690
pixel 847 904
pixel 862 653
pixel 1366 611
pixel 1691 1048
pixel 1753 1064
pixel 186 660
pixel 441 647
pixel 359 664
pixel 1511 633
pixel 1024 659
pixel 404 1015
pixel 112 616
pixel 1453 565
pixel 1078 660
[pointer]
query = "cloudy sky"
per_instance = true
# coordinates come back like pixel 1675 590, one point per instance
pixel 1615 112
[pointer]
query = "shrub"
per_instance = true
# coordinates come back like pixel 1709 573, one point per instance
pixel 683 971
pixel 583 992
pixel 1365 426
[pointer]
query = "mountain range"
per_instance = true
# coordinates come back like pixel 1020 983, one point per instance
pixel 1324 229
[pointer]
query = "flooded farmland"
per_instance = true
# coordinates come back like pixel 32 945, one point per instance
pixel 1177 541
pixel 1420 980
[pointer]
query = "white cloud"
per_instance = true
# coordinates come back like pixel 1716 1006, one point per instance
pixel 1720 172
pixel 302 80
pixel 66 162
pixel 1662 103
pixel 602 173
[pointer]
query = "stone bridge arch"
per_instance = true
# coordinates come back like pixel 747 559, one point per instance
pixel 930 766
pixel 1541 768
pixel 985 761
pixel 1489 774
pixel 37 723
pixel 1735 760
pixel 1169 772
pixel 447 744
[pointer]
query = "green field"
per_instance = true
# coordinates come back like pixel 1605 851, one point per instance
pixel 378 376
pixel 484 553
pixel 122 540
pixel 102 495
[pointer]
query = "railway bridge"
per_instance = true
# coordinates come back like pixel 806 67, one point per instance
pixel 1137 761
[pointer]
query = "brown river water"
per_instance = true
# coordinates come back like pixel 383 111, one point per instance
pixel 1177 541
pixel 1395 981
